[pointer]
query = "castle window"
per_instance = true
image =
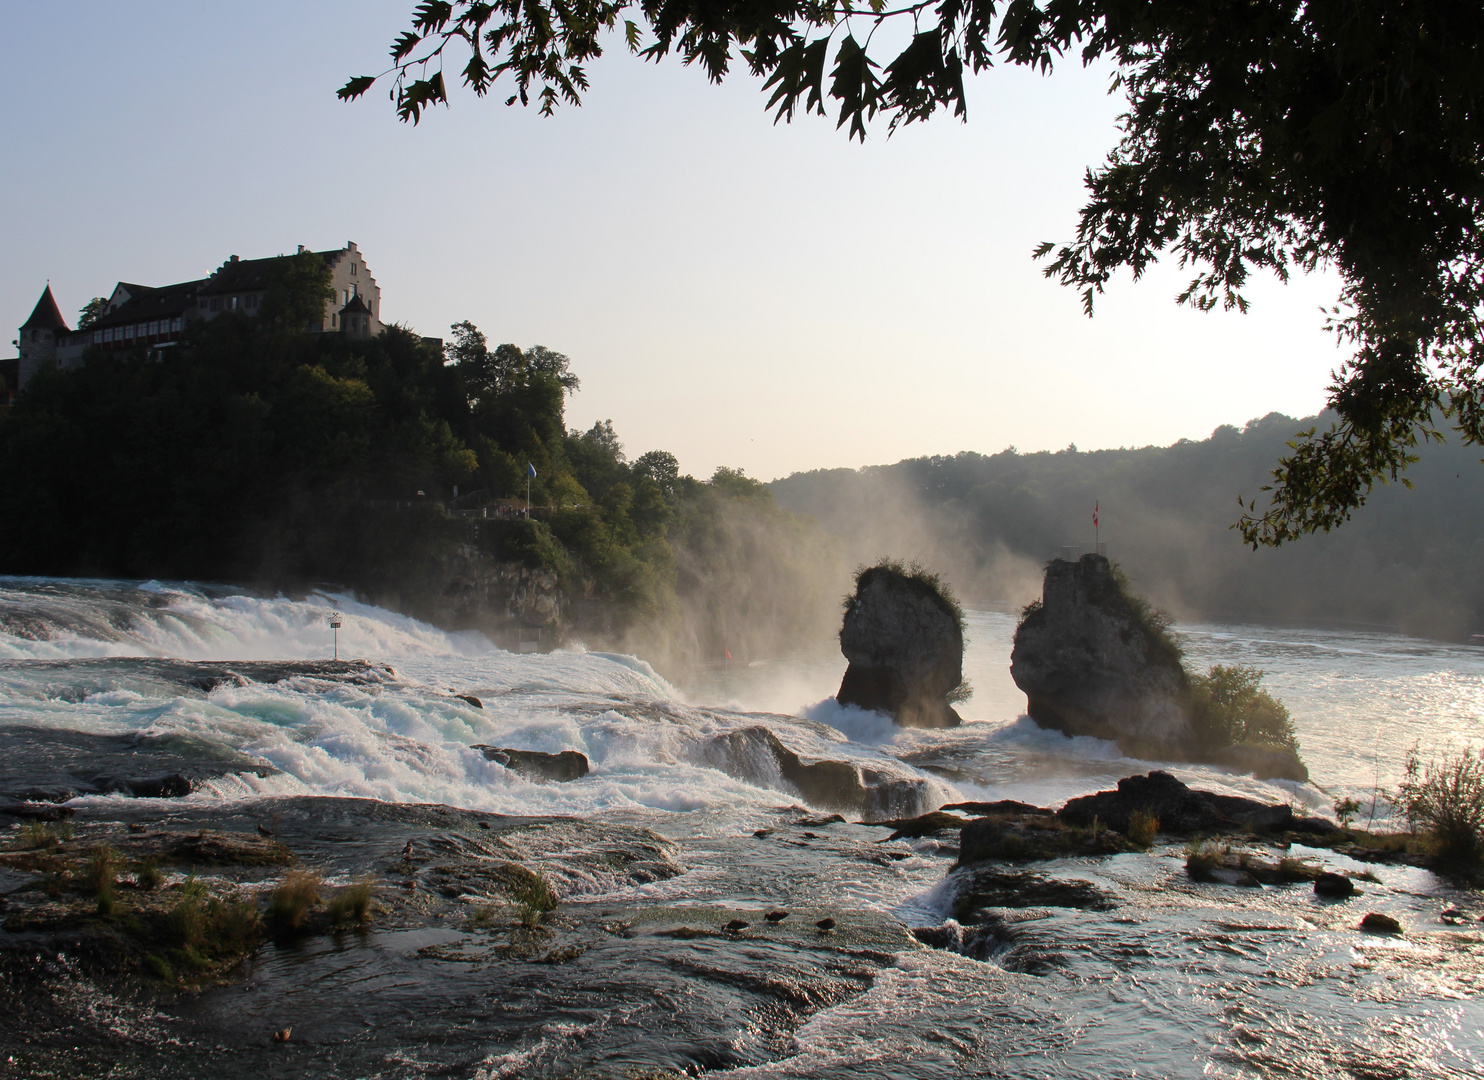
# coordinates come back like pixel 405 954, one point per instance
pixel 333 318
pixel 252 301
pixel 352 268
pixel 175 324
pixel 216 303
pixel 154 327
pixel 97 337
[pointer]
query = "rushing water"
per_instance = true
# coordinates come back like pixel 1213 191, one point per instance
pixel 1182 979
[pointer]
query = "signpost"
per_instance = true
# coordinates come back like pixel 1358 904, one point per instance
pixel 335 627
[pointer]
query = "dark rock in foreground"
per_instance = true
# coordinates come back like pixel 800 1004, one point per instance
pixel 1020 837
pixel 1336 886
pixel 1181 809
pixel 1378 923
pixel 756 755
pixel 985 887
pixel 1090 665
pixel 905 648
pixel 538 765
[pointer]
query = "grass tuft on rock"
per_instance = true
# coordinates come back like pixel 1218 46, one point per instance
pixel 1143 827
pixel 352 904
pixel 532 897
pixel 294 898
pixel 1204 856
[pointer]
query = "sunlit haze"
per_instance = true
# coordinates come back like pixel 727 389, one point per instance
pixel 740 293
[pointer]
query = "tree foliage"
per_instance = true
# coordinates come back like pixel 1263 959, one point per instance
pixel 1260 135
pixel 1229 707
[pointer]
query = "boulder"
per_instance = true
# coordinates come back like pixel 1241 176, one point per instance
pixel 1180 809
pixel 1026 837
pixel 903 639
pixel 756 755
pixel 1337 886
pixel 1091 663
pixel 536 765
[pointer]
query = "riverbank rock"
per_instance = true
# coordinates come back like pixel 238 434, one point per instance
pixel 905 645
pixel 537 765
pixel 1091 663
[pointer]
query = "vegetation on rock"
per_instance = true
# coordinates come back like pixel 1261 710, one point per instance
pixel 1230 708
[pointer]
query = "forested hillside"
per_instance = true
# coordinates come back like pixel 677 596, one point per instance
pixel 1408 559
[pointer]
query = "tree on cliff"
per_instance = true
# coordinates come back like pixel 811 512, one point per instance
pixel 1260 135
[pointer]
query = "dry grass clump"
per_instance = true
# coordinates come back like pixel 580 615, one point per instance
pixel 1143 827
pixel 101 877
pixel 296 895
pixel 1445 797
pixel 149 876
pixel 37 836
pixel 352 904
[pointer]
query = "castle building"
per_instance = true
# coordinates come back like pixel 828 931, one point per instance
pixel 156 316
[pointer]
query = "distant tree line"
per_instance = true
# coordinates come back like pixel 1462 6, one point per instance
pixel 1414 560
pixel 257 453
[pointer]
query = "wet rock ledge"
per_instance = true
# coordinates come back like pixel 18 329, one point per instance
pixel 325 936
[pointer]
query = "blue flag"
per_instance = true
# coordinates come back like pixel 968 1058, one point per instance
pixel 530 470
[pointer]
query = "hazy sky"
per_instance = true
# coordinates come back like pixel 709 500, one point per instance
pixel 770 297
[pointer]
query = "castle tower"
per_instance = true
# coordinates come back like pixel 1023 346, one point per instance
pixel 38 338
pixel 355 319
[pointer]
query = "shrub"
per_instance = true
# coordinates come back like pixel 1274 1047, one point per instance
pixel 1229 707
pixel 532 897
pixel 1346 810
pixel 295 896
pixel 1445 798
pixel 352 904
pixel 1143 827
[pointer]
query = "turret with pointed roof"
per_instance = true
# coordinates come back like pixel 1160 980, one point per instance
pixel 46 315
pixel 38 338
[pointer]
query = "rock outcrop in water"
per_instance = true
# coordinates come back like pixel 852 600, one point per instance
pixel 1091 662
pixel 903 636
pixel 756 755
pixel 1184 810
pixel 537 764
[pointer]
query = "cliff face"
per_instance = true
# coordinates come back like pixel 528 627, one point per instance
pixel 483 594
pixel 905 649
pixel 1090 665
